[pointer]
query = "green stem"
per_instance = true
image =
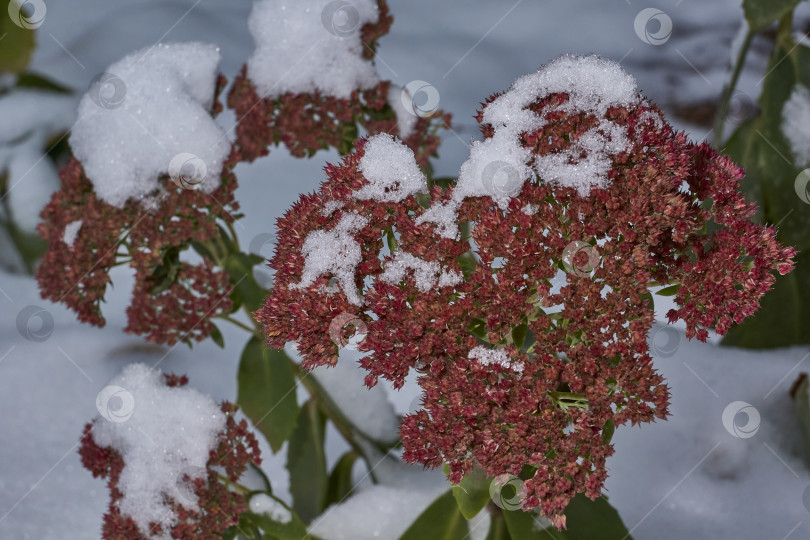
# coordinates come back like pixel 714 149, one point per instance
pixel 329 408
pixel 728 89
pixel 236 485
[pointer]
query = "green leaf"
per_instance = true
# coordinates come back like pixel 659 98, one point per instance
pixel 306 462
pixel 17 44
pixel 472 493
pixel 216 336
pixel 41 82
pixel 608 430
pixel 340 480
pixel 761 13
pixel 467 262
pixel 759 146
pixel 294 529
pixel 266 392
pixel 587 519
pixel 240 271
pixel 519 335
pixel 531 526
pixel 671 290
pixel 497 529
pixel 442 520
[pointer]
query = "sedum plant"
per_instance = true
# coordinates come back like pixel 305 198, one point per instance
pixel 521 292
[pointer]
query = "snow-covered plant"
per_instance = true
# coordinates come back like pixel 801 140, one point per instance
pixel 169 455
pixel 523 374
pixel 577 173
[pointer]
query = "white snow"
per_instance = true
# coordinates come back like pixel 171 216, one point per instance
pixel 71 230
pixel 530 209
pixel 427 274
pixel 303 47
pixel 406 119
pixel 499 166
pixel 488 357
pixel 336 252
pixel 32 119
pixel 149 108
pixel 162 432
pixel 366 408
pixel 796 124
pixel 391 170
pixel 261 503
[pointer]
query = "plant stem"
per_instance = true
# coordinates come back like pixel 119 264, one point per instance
pixel 728 89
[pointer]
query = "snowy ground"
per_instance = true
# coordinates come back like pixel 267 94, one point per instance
pixel 689 477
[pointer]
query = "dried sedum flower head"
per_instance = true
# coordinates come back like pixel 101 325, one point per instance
pixel 307 121
pixel 600 186
pixel 205 508
pixel 173 300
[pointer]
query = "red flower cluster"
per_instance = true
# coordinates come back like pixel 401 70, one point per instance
pixel 172 300
pixel 576 360
pixel 306 123
pixel 219 507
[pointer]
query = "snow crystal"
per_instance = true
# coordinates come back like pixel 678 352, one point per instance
pixel 335 252
pixel 150 110
pixel 530 209
pixel 330 206
pixel 163 433
pixel 71 230
pixel 796 124
pixel 391 170
pixel 427 273
pixel 488 357
pixel 261 503
pixel 499 166
pixel 303 47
